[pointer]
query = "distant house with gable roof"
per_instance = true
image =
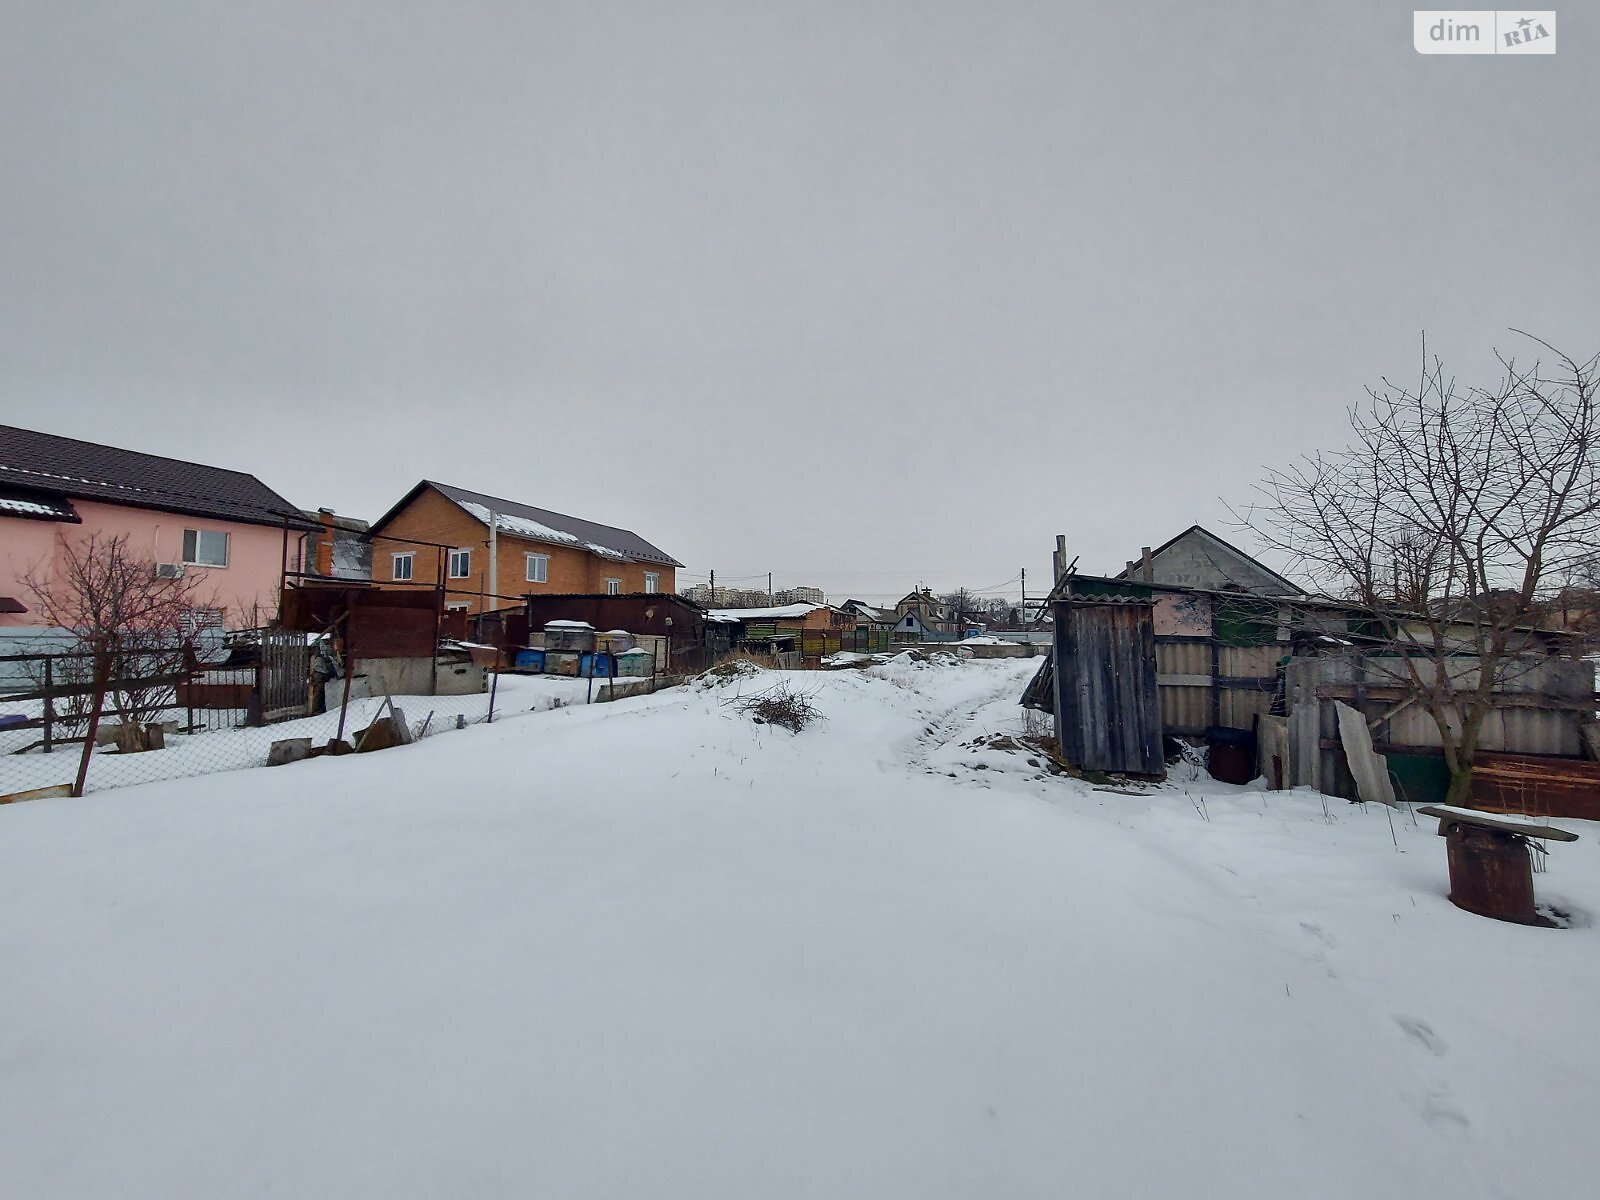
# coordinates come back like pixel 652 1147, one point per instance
pixel 1198 558
pixel 489 552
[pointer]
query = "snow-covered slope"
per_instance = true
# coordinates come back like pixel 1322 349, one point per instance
pixel 652 949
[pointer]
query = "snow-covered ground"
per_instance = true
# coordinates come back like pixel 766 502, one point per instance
pixel 227 744
pixel 653 949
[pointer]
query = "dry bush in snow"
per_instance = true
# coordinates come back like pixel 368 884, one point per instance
pixel 781 705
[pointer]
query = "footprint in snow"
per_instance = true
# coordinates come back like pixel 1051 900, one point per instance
pixel 1321 934
pixel 1439 1109
pixel 1422 1033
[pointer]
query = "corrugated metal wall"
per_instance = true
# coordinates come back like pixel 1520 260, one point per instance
pixel 1241 703
pixel 1184 706
pixel 1191 698
pixel 1316 683
pixel 1509 728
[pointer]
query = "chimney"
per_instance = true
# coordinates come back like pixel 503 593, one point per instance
pixel 1149 564
pixel 324 563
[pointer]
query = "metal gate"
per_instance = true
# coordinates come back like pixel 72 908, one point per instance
pixel 285 679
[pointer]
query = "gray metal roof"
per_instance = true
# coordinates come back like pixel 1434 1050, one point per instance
pixel 587 533
pixel 89 471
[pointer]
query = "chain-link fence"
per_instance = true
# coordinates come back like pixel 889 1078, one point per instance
pixel 207 718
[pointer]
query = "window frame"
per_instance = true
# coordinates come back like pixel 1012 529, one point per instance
pixel 543 562
pixel 652 581
pixel 194 560
pixel 613 587
pixel 410 557
pixel 466 563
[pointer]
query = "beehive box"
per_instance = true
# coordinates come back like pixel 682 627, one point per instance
pixel 569 636
pixel 635 663
pixel 561 662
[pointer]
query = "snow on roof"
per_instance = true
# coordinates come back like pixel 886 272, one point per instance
pixel 568 625
pixel 522 520
pixel 529 528
pixel 764 614
pixel 34 508
pixel 523 526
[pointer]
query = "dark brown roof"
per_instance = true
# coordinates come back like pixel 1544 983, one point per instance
pixel 559 529
pixel 89 471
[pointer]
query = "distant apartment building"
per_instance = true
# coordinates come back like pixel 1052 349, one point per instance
pixel 730 597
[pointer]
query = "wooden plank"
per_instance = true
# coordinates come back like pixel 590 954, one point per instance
pixel 39 793
pixel 1468 817
pixel 1549 787
pixel 1352 693
pixel 61 690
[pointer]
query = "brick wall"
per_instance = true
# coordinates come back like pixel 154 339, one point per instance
pixel 433 518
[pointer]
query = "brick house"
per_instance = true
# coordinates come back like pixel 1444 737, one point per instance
pixel 920 614
pixel 439 532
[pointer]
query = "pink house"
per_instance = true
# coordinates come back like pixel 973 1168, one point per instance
pixel 231 529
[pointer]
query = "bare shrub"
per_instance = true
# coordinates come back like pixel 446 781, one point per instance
pixel 136 630
pixel 781 705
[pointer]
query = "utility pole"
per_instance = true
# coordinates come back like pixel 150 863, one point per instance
pixel 769 587
pixel 713 589
pixel 494 561
pixel 1024 595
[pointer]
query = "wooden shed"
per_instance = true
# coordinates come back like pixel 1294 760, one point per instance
pixel 1107 708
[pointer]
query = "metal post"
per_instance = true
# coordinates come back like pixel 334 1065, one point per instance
pixel 49 705
pixel 438 617
pixel 283 562
pixel 494 685
pixel 494 556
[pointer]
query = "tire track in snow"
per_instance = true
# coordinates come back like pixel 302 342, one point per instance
pixel 950 724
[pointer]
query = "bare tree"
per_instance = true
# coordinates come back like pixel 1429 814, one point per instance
pixel 135 628
pixel 1453 517
pixel 959 601
pixel 1000 610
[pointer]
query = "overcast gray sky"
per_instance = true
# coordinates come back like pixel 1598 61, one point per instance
pixel 862 294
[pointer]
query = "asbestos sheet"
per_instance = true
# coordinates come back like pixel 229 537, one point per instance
pixel 1371 769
